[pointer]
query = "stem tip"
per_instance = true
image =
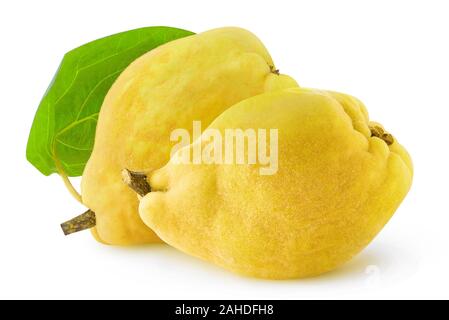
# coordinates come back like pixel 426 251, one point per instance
pixel 84 221
pixel 136 181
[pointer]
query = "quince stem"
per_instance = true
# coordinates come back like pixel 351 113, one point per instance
pixel 84 221
pixel 136 181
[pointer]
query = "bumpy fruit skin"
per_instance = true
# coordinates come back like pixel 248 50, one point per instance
pixel 336 187
pixel 194 78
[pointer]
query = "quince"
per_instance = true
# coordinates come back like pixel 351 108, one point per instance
pixel 340 178
pixel 193 78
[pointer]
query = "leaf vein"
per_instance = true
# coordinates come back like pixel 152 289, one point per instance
pixel 72 146
pixel 93 90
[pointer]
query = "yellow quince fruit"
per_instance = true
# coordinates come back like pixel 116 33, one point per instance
pixel 193 78
pixel 339 179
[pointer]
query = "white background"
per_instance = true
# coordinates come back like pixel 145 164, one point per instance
pixel 393 55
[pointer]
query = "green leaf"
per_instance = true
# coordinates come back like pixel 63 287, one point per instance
pixel 63 130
